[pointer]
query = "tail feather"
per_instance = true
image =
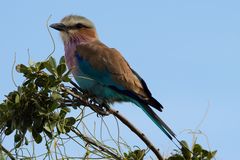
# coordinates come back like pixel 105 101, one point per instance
pixel 162 125
pixel 158 121
pixel 155 104
pixel 144 105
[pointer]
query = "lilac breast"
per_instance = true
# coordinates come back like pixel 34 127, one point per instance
pixel 70 57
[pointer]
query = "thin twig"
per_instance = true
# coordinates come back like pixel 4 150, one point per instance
pixel 53 42
pixel 92 142
pixel 12 71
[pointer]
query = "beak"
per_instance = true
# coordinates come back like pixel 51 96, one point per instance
pixel 58 26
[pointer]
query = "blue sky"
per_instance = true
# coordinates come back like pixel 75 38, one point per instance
pixel 187 51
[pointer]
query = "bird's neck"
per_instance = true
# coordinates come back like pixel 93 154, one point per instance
pixel 70 47
pixel 80 37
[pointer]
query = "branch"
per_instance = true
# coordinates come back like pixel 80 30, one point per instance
pixel 137 132
pixel 119 116
pixel 85 102
pixel 76 86
pixel 9 154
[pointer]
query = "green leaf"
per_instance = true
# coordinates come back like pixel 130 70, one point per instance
pixel 137 154
pixel 41 81
pixel 211 154
pixel 49 134
pixel 27 82
pixel 54 106
pixel 56 96
pixel 17 99
pixel 52 81
pixel 18 144
pixel 8 131
pixel 197 149
pixel 63 112
pixel 52 62
pixel 17 138
pixel 176 157
pixel 41 66
pixel 36 136
pixel 61 69
pixel 51 65
pixel 38 124
pixel 60 128
pixel 22 69
pixel 48 129
pixel 65 77
pixel 31 86
pixel 185 150
pixel 70 121
pixel 37 65
pixel 204 153
pixel 50 69
pixel 62 60
pixel 26 141
pixel 184 144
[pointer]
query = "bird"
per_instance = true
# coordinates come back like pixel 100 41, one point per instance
pixel 102 71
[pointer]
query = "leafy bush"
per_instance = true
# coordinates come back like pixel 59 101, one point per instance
pixel 40 107
pixel 32 107
pixel 198 153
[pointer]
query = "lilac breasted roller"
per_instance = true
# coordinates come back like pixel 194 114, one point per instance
pixel 102 71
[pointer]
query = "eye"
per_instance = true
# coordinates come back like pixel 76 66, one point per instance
pixel 79 25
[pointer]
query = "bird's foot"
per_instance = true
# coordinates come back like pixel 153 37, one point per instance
pixel 105 106
pixel 101 106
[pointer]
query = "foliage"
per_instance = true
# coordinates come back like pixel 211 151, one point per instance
pixel 198 153
pixel 40 106
pixel 32 107
pixel 136 154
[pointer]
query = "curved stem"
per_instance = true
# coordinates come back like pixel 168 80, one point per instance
pixel 92 142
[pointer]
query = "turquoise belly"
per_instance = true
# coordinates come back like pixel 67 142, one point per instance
pixel 99 90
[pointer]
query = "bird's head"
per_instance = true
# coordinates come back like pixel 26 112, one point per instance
pixel 76 29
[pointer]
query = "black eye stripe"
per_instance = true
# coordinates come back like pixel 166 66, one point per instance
pixel 78 26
